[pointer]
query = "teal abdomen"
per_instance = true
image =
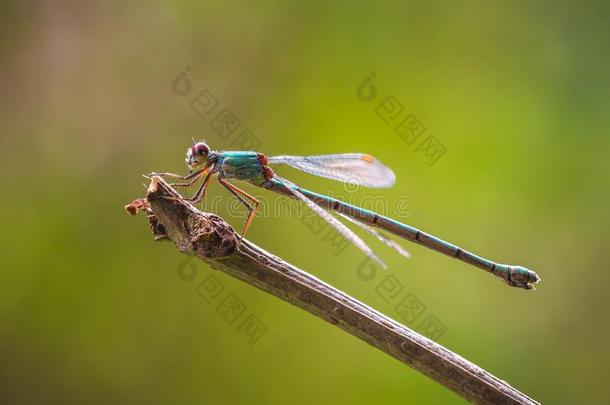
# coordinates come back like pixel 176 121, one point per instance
pixel 240 166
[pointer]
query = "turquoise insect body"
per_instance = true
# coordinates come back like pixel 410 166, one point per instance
pixel 352 168
pixel 246 166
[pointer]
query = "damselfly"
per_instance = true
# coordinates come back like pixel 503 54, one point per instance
pixel 352 168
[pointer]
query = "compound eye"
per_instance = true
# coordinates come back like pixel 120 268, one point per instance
pixel 201 149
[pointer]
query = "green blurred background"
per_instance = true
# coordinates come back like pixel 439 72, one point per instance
pixel 93 311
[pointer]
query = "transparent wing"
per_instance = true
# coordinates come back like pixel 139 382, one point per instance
pixel 378 235
pixel 351 168
pixel 334 222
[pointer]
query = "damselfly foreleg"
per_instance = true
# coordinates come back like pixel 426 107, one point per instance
pixel 177 176
pixel 191 180
pixel 200 194
pixel 191 177
pixel 240 194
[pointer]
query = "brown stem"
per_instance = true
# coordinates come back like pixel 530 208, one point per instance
pixel 212 240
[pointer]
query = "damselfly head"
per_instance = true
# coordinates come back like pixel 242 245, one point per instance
pixel 197 155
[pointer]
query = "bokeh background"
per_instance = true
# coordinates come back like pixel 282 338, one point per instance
pixel 93 311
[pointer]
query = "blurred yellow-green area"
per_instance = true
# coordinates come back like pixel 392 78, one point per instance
pixel 516 94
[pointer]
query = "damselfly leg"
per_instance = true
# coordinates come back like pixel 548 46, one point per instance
pixel 240 194
pixel 200 194
pixel 192 177
pixel 191 180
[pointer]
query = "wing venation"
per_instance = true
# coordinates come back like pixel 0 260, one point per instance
pixel 352 168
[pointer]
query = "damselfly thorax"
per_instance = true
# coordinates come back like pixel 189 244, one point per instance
pixel 246 166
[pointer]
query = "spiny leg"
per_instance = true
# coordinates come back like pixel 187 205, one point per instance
pixel 239 193
pixel 177 176
pixel 202 189
pixel 192 178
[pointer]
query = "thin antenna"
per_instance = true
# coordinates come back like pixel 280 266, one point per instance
pixel 193 139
